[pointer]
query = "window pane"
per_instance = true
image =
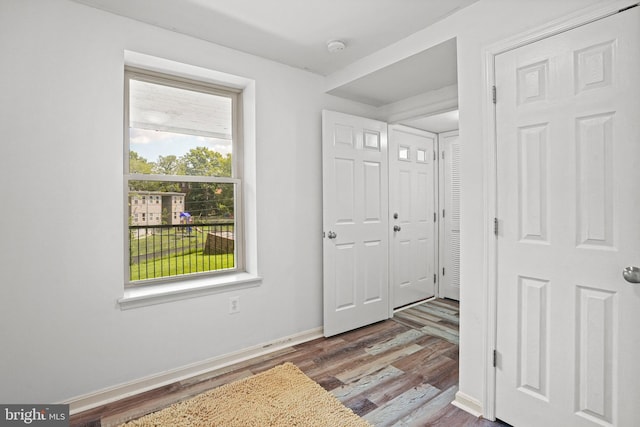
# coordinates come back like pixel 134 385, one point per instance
pixel 198 160
pixel 421 156
pixel 176 131
pixel 190 230
pixel 403 153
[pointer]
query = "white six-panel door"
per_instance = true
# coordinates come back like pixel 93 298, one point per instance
pixel 449 194
pixel 568 146
pixel 355 216
pixel 412 203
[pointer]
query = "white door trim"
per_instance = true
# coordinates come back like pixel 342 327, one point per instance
pixel 577 19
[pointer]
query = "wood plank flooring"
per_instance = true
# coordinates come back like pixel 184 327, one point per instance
pixel 399 372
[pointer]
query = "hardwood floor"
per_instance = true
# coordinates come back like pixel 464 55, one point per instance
pixel 402 371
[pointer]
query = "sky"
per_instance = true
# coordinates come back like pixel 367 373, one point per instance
pixel 150 144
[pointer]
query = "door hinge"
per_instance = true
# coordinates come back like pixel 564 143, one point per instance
pixel 494 361
pixel 435 217
pixel 494 93
pixel 443 271
pixel 324 234
pixel 442 213
pixel 443 155
pixel 495 226
pixel 434 155
pixel 434 278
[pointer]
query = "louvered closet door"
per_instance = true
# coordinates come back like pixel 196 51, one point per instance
pixel 568 169
pixel 449 215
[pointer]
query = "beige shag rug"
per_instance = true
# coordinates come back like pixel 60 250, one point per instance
pixel 282 396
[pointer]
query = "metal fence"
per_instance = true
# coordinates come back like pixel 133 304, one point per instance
pixel 157 251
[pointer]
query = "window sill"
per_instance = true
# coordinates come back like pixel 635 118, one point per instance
pixel 166 292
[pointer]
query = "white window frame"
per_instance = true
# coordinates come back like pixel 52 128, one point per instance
pixel 247 275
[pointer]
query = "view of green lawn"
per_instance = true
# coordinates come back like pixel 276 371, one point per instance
pixel 171 251
pixel 181 264
pixel 182 238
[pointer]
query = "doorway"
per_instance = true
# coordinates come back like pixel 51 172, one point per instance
pixel 444 126
pixel 357 225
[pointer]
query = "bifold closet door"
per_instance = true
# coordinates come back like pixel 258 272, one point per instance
pixel 449 215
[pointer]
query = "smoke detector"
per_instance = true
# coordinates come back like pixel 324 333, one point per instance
pixel 335 46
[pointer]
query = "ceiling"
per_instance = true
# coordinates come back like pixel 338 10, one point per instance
pixel 293 32
pixel 406 78
pixel 296 32
pixel 442 122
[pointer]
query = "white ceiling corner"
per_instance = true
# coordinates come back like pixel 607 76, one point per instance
pixel 292 32
pixel 295 33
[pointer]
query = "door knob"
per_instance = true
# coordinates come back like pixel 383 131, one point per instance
pixel 631 274
pixel 396 228
pixel 332 235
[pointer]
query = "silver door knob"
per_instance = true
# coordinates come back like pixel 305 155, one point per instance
pixel 631 274
pixel 396 228
pixel 332 235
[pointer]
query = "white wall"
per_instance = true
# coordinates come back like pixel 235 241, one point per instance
pixel 61 263
pixel 478 26
pixel 61 239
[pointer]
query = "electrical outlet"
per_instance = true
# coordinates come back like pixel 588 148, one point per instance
pixel 234 305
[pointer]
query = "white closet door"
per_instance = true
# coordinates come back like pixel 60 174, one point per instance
pixel 449 215
pixel 568 185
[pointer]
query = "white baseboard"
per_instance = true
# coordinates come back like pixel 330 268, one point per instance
pixel 112 394
pixel 468 404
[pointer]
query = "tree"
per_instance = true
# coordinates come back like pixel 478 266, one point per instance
pixel 202 161
pixel 205 200
pixel 166 165
pixel 138 164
